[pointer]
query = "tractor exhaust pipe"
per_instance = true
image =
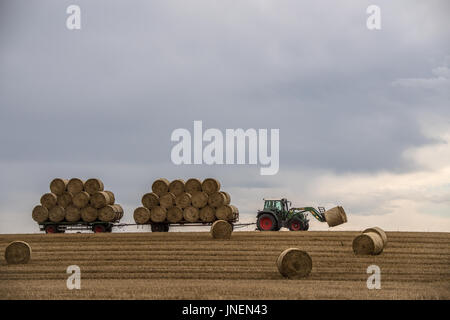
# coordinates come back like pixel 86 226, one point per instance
pixel 335 216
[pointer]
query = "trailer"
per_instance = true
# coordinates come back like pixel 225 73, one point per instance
pixel 62 227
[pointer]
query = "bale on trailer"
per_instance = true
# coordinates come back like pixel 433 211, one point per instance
pixel 294 263
pixel 158 214
pixel 174 214
pixel 64 199
pixel 81 199
pixel 141 215
pixel 335 216
pixel 221 230
pixel 167 200
pixel 100 199
pixel 18 252
pixel 380 232
pixel 199 199
pixel 207 214
pixel 58 186
pixel 56 214
pixel 227 212
pixel 177 187
pixel 218 199
pixel 40 214
pixel 73 214
pixel 93 185
pixel 210 185
pixel 112 197
pixel 369 243
pixel 89 214
pixel 150 200
pixel 75 186
pixel 110 213
pixel 183 200
pixel 49 200
pixel 191 214
pixel 160 186
pixel 193 185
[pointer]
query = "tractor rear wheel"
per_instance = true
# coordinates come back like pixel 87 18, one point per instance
pixel 266 222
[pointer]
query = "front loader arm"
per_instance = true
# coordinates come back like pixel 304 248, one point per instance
pixel 316 214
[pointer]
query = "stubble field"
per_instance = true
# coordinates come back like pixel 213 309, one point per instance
pixel 191 265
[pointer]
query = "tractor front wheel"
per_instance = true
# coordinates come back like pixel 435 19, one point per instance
pixel 298 225
pixel 266 222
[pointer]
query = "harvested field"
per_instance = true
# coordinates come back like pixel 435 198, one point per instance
pixel 192 265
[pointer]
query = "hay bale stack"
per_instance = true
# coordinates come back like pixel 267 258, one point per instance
pixel 58 186
pixel 141 215
pixel 18 252
pixel 40 214
pixel 167 200
pixel 380 232
pixel 160 186
pixel 335 216
pixel 174 214
pixel 221 229
pixel 193 185
pixel 158 214
pixel 93 185
pixel 49 200
pixel 75 186
pixel 187 202
pixel 369 243
pixel 76 201
pixel 177 187
pixel 294 263
pixel 150 200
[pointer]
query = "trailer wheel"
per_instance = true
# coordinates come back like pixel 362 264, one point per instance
pixel 159 227
pixel 109 228
pixel 266 222
pixel 99 228
pixel 51 228
pixel 166 228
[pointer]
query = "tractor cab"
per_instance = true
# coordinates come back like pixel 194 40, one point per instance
pixel 279 205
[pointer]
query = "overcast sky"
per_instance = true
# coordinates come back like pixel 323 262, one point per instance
pixel 364 116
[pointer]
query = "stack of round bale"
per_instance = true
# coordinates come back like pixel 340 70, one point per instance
pixel 372 241
pixel 76 200
pixel 188 201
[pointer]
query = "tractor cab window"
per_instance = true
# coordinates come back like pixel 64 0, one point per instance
pixel 273 204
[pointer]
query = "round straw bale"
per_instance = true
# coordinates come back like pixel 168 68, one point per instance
pixel 176 187
pixel 335 216
pixel 110 213
pixel 40 214
pixel 158 214
pixel 18 252
pixel 210 185
pixel 369 243
pixel 191 214
pixel 81 199
pixel 160 186
pixel 141 215
pixel 199 199
pixel 58 186
pixel 221 230
pixel 226 212
pixel 93 185
pixel 183 200
pixel 227 196
pixel 207 214
pixel 380 232
pixel 193 185
pixel 75 185
pixel 73 214
pixel 64 199
pixel 218 199
pixel 56 214
pixel 100 199
pixel 174 214
pixel 150 200
pixel 294 263
pixel 49 200
pixel 112 197
pixel 119 210
pixel 167 200
pixel 89 214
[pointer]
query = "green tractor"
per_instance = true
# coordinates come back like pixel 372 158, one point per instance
pixel 277 214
